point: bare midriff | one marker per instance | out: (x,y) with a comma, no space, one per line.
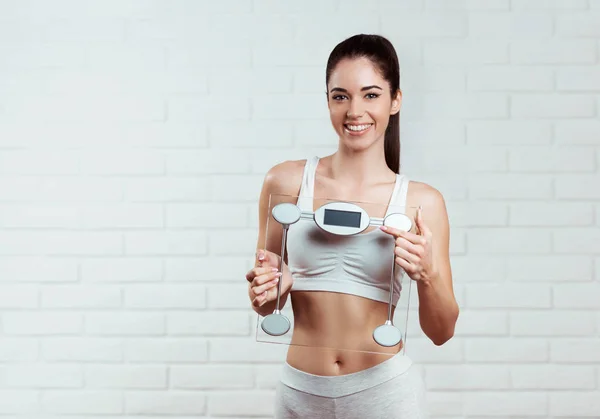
(333,333)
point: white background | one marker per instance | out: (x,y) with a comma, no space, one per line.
(134,138)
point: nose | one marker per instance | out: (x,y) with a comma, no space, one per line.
(355,110)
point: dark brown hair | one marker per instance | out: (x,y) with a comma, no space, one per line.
(383,55)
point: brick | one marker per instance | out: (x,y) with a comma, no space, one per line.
(576,296)
(123,163)
(506,350)
(471,106)
(165,403)
(42,376)
(444,403)
(555,214)
(476,323)
(477,214)
(552,377)
(123,216)
(38,269)
(204,215)
(215,269)
(20,401)
(504,25)
(174,242)
(208,323)
(508,296)
(550,106)
(468,4)
(507,404)
(207,108)
(509,132)
(82,402)
(553,5)
(509,241)
(578,79)
(553,51)
(508,78)
(124,270)
(431,25)
(478,268)
(18,296)
(165,296)
(531,159)
(580,404)
(577,186)
(205,162)
(495,187)
(167,189)
(167,350)
(458,159)
(42,323)
(433,79)
(558,323)
(78,296)
(470,51)
(466,377)
(226,296)
(254,134)
(575,132)
(81,349)
(19,350)
(212,377)
(575,350)
(124,324)
(577,240)
(59,189)
(20,162)
(236,350)
(365,22)
(423,351)
(425,133)
(578,24)
(558,268)
(126,377)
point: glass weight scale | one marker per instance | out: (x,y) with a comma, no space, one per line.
(341,218)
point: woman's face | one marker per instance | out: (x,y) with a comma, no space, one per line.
(360,103)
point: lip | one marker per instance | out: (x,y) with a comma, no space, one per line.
(358,134)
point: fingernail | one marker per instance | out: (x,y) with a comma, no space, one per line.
(384,228)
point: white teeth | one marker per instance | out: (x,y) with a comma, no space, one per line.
(357,127)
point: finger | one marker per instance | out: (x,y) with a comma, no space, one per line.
(406,255)
(415,249)
(253,273)
(263,279)
(404,264)
(413,238)
(263,298)
(258,290)
(423,229)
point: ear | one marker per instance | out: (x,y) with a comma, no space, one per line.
(396,103)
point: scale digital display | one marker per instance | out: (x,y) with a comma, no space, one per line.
(342,218)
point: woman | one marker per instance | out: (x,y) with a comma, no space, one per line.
(318,381)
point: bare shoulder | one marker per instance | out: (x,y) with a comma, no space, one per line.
(425,195)
(285,177)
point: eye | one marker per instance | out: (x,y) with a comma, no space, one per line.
(372,95)
(338,97)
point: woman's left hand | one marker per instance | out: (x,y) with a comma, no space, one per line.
(414,251)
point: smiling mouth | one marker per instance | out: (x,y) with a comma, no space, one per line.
(357,128)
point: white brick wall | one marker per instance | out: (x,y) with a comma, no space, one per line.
(134,137)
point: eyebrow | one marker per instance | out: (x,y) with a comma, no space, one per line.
(340,89)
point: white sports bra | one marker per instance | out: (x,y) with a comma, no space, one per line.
(360,264)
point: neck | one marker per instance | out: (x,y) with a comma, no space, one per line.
(360,167)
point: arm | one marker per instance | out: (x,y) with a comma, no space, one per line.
(277,181)
(438,309)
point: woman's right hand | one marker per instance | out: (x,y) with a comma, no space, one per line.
(264,277)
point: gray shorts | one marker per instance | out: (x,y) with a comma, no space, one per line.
(392,389)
